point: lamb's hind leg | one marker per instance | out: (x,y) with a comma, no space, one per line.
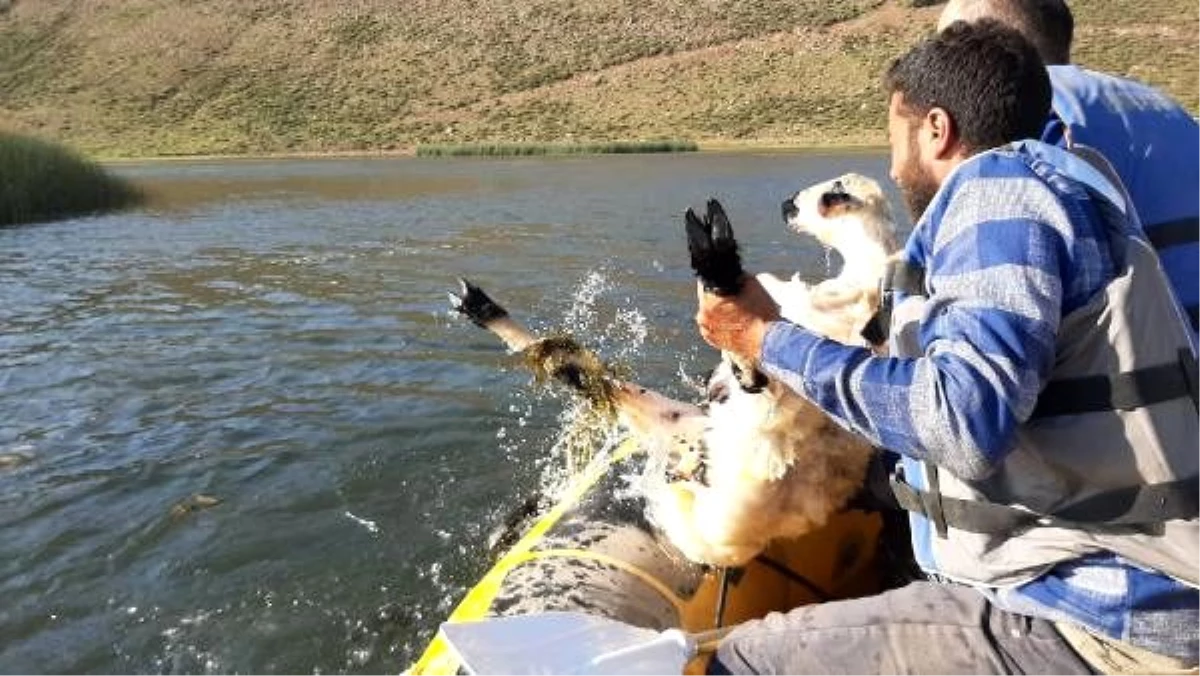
(559,357)
(645,411)
(663,423)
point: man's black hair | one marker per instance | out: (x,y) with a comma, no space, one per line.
(1048,24)
(985,75)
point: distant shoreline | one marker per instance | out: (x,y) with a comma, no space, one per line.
(702,147)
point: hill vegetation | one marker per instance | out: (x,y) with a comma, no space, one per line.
(161,77)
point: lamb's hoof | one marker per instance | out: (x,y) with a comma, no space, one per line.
(714,250)
(475,304)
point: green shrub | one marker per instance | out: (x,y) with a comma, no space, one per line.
(43,181)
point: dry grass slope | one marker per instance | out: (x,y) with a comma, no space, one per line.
(158,77)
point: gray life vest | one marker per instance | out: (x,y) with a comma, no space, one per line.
(1107,462)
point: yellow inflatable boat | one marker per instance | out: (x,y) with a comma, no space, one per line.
(595,553)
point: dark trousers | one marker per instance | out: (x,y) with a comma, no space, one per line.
(922,628)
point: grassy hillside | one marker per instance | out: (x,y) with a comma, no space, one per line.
(156,77)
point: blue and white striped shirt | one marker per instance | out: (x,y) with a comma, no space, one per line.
(1010,245)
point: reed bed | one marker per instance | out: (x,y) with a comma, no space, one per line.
(520,149)
(43,181)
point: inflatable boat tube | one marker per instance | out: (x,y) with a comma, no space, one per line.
(595,552)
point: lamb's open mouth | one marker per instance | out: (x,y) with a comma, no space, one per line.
(789,209)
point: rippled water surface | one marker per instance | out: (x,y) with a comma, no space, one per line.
(273,337)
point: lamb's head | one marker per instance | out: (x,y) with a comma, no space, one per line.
(850,214)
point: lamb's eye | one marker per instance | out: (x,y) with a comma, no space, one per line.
(836,198)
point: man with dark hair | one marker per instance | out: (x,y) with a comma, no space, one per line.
(1152,142)
(986,111)
(1051,505)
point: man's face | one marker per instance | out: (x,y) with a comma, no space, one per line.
(912,175)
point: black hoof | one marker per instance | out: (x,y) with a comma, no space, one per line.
(714,250)
(475,304)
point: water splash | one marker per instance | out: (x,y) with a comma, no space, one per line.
(615,331)
(585,428)
(614,334)
(581,317)
(690,381)
(629,331)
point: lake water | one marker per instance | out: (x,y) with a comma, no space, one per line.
(275,335)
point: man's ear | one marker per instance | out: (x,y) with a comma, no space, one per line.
(941,134)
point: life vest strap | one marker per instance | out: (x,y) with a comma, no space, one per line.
(899,275)
(1120,392)
(1179,232)
(1174,233)
(932,500)
(904,276)
(1132,506)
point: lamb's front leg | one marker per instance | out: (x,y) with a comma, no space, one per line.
(718,265)
(714,251)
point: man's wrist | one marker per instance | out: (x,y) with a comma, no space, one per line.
(786,345)
(758,338)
